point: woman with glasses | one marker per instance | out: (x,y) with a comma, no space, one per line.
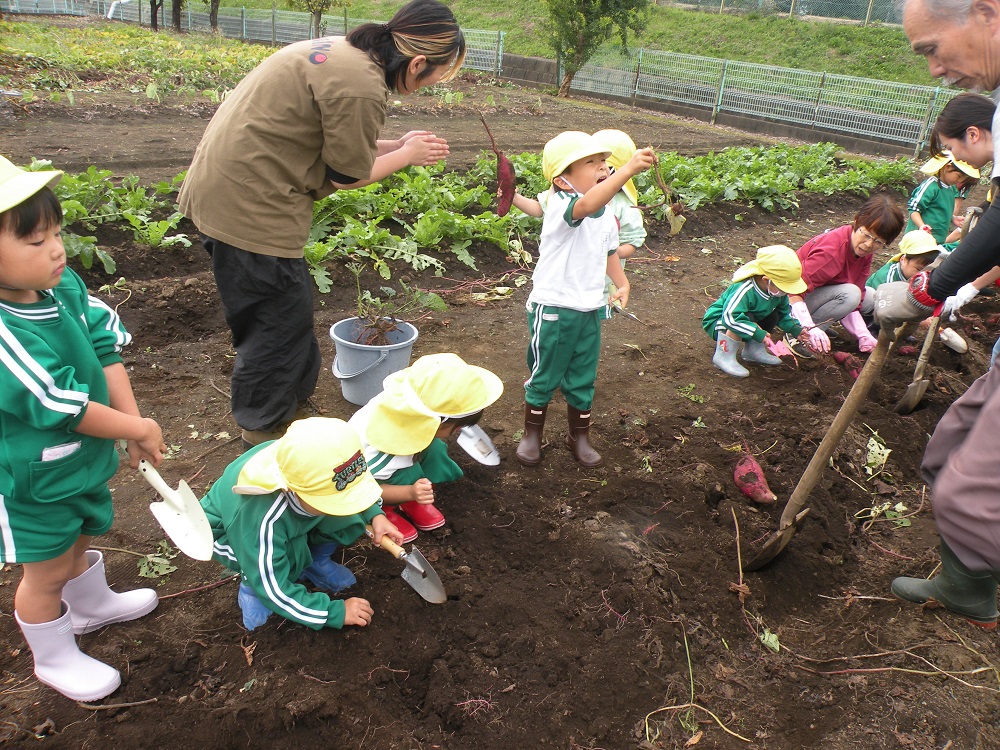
(835,267)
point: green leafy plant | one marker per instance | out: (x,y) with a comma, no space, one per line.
(157,564)
(382,314)
(153,232)
(687,391)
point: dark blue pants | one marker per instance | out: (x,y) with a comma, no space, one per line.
(268,304)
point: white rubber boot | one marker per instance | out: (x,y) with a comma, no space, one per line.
(725,357)
(61,665)
(93,605)
(756,351)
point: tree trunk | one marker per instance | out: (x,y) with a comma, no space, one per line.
(567,80)
(154,14)
(317,21)
(175,14)
(213,15)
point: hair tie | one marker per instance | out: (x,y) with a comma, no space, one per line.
(385,27)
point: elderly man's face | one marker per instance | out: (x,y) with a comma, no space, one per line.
(964,52)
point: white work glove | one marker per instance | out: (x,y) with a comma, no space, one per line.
(818,340)
(856,325)
(955,303)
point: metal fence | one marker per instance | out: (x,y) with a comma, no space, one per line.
(484,48)
(863,12)
(862,107)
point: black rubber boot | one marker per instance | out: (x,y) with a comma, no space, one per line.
(529,450)
(578,438)
(962,591)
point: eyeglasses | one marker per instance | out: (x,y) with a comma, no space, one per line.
(879,244)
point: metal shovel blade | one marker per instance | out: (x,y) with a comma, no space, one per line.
(915,391)
(180,515)
(795,509)
(418,573)
(474,441)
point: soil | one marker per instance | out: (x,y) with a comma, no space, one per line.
(586,608)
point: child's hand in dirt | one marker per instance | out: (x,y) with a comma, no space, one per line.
(150,446)
(382,526)
(358,611)
(422,491)
(621,295)
(425,150)
(641,160)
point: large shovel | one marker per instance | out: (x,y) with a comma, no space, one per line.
(915,391)
(180,514)
(795,509)
(418,572)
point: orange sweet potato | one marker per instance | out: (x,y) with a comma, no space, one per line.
(749,477)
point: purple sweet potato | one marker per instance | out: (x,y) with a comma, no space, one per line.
(506,178)
(750,480)
(849,362)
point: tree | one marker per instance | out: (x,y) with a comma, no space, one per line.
(213,14)
(175,14)
(316,8)
(577,28)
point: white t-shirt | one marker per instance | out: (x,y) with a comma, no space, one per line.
(996,137)
(572,255)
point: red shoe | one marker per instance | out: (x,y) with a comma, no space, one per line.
(424,517)
(405,527)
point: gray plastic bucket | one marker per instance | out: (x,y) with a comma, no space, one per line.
(361,368)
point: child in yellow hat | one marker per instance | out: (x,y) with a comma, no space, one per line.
(280,501)
(66,399)
(751,306)
(624,205)
(576,250)
(405,429)
(935,206)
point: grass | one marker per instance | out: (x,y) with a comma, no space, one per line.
(880,52)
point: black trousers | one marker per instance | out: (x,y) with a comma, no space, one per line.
(268,304)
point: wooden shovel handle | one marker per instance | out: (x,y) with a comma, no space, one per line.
(387,544)
(925,350)
(859,391)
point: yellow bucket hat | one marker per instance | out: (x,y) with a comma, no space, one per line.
(622,149)
(408,412)
(17,185)
(916,242)
(935,165)
(568,147)
(780,264)
(320,460)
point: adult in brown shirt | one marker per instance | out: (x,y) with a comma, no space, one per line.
(302,124)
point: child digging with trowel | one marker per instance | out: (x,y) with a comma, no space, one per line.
(66,400)
(281,509)
(405,429)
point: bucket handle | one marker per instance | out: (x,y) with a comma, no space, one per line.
(344,376)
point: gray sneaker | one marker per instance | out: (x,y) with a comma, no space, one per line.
(798,348)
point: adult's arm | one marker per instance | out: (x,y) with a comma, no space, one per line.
(977,254)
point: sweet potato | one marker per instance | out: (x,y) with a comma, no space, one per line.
(849,362)
(506,178)
(750,480)
(907,350)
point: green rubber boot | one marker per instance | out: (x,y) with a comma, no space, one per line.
(960,590)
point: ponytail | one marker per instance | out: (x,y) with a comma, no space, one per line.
(421,27)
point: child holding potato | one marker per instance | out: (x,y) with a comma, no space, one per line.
(577,249)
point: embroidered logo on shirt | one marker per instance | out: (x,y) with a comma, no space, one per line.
(319,49)
(346,473)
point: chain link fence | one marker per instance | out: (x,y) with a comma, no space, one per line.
(869,109)
(863,12)
(278,27)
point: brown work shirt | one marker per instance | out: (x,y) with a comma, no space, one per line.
(264,156)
